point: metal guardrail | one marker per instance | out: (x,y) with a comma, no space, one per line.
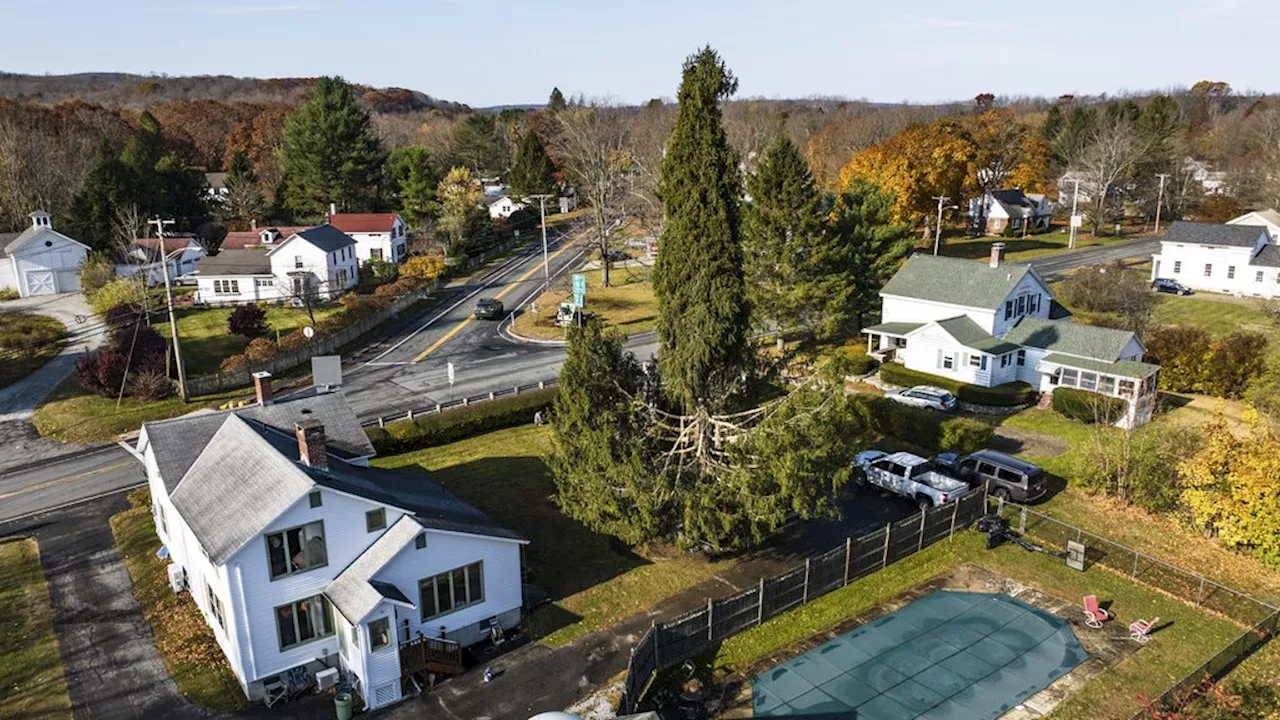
(382,420)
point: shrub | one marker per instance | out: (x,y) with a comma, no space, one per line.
(95,274)
(102,372)
(1139,466)
(965,435)
(1111,289)
(424,267)
(1006,395)
(248,321)
(453,425)
(1088,407)
(355,307)
(1234,361)
(1181,352)
(7,294)
(1191,361)
(260,350)
(378,272)
(919,427)
(121,291)
(856,358)
(150,386)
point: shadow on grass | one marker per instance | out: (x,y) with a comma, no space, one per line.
(975,248)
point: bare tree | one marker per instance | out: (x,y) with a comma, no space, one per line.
(647,142)
(593,147)
(40,169)
(1107,160)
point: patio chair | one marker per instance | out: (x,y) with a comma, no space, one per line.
(1140,630)
(273,692)
(1094,614)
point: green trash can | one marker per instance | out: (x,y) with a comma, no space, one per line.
(342,706)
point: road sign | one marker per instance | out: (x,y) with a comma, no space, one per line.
(449,369)
(309,332)
(1077,221)
(579,290)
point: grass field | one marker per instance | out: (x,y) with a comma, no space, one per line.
(593,580)
(47,337)
(206,341)
(31,677)
(182,637)
(627,304)
(73,415)
(1015,249)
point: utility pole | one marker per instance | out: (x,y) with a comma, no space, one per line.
(937,232)
(168,296)
(1075,199)
(1160,199)
(542,204)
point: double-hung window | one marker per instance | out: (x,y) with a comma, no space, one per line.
(948,361)
(451,590)
(297,262)
(1231,272)
(226,287)
(1008,309)
(1208,269)
(1022,358)
(1257,276)
(303,621)
(296,549)
(1177,267)
(1088,380)
(215,605)
(380,634)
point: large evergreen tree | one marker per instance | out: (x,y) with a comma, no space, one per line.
(109,185)
(556,102)
(476,144)
(532,172)
(703,316)
(863,220)
(414,176)
(330,153)
(797,273)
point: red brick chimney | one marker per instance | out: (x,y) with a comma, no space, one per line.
(997,254)
(262,387)
(311,439)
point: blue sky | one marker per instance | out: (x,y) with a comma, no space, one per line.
(514,51)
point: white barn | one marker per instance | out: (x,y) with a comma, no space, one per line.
(43,261)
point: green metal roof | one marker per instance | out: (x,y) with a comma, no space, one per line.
(893,328)
(1121,368)
(971,335)
(955,281)
(1090,341)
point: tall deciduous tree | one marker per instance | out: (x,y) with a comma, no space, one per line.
(1108,159)
(873,241)
(415,176)
(244,201)
(916,165)
(330,153)
(592,143)
(797,273)
(703,316)
(532,172)
(459,197)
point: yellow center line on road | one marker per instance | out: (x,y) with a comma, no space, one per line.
(61,480)
(458,328)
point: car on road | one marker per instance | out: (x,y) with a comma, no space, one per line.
(926,396)
(1173,287)
(489,309)
(1004,475)
(910,476)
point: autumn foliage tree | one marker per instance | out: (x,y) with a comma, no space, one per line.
(916,165)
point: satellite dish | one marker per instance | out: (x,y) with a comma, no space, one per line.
(309,331)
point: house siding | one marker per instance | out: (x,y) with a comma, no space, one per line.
(1190,261)
(63,259)
(249,291)
(900,309)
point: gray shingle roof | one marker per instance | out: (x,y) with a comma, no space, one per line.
(1060,336)
(245,261)
(893,328)
(955,281)
(971,335)
(1213,234)
(1120,368)
(1268,256)
(354,591)
(1016,203)
(326,237)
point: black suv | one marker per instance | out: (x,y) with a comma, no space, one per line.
(489,309)
(1005,475)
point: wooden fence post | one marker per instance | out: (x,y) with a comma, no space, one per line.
(654,629)
(381,422)
(516,390)
(805,597)
(760,603)
(848,556)
(1135,563)
(542,385)
(888,530)
(410,416)
(1200,594)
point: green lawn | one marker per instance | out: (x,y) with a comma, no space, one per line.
(206,341)
(593,580)
(627,304)
(1219,315)
(182,637)
(955,244)
(31,676)
(29,341)
(72,414)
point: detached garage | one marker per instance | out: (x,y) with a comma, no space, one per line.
(43,261)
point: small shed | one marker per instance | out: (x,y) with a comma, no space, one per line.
(43,261)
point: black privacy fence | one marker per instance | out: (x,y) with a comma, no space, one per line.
(670,643)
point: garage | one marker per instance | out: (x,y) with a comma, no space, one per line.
(42,260)
(40,282)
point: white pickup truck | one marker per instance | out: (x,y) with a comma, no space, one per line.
(910,476)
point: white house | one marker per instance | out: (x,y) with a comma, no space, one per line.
(304,560)
(41,260)
(144,257)
(1240,259)
(378,236)
(216,187)
(1269,219)
(990,324)
(995,211)
(320,261)
(503,207)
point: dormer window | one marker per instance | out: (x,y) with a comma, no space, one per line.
(269,235)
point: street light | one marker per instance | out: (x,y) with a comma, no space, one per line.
(542,204)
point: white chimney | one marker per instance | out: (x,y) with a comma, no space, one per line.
(997,254)
(333,209)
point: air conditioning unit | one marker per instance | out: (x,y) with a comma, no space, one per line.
(177,578)
(327,679)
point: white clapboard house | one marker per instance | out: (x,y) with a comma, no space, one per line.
(319,262)
(989,324)
(308,564)
(1240,258)
(378,236)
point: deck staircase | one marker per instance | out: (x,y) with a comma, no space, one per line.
(424,654)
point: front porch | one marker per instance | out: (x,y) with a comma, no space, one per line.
(1129,380)
(886,340)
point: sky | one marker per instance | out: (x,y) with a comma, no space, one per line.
(514,51)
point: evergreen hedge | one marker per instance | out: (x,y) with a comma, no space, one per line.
(1088,407)
(926,429)
(458,424)
(1006,395)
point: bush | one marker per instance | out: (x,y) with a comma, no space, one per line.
(1139,466)
(121,291)
(1006,395)
(378,272)
(150,386)
(7,294)
(1236,360)
(102,373)
(1191,361)
(1112,289)
(96,273)
(1088,407)
(856,358)
(423,267)
(965,435)
(922,428)
(248,321)
(453,425)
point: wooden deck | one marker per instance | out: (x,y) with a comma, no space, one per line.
(424,654)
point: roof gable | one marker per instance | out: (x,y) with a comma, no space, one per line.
(969,334)
(1195,233)
(326,238)
(1091,341)
(956,281)
(354,591)
(25,237)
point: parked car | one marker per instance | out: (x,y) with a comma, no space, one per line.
(1005,476)
(1165,285)
(910,476)
(926,396)
(489,309)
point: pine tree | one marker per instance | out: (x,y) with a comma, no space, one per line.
(330,153)
(703,316)
(475,144)
(533,172)
(109,185)
(415,177)
(797,273)
(556,102)
(244,201)
(863,220)
(598,463)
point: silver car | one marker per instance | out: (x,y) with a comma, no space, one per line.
(926,396)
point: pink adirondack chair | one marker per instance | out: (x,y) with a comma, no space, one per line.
(1140,630)
(1094,615)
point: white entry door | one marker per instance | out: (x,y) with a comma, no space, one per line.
(40,282)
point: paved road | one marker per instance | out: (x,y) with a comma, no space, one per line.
(75,478)
(1051,266)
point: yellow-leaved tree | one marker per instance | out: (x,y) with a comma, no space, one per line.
(1230,487)
(916,165)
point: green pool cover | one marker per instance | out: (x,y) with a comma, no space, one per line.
(947,656)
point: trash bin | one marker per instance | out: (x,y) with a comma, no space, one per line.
(342,705)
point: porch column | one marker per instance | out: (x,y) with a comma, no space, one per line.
(869,337)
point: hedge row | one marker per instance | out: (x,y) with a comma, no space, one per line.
(1088,407)
(927,429)
(1007,395)
(461,423)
